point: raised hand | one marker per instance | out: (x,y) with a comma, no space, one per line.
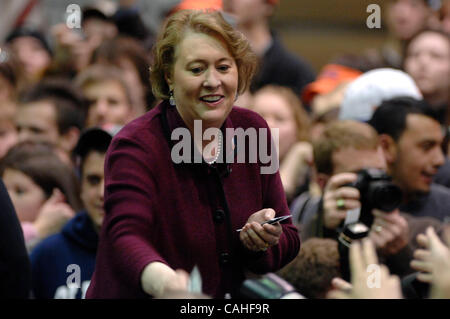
(363,256)
(53,215)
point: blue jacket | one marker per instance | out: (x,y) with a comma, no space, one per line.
(62,264)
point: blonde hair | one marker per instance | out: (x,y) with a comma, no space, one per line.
(339,135)
(207,22)
(301,117)
(99,73)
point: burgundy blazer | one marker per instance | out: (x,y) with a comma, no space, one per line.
(182,214)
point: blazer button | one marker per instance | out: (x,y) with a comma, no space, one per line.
(224,258)
(219,216)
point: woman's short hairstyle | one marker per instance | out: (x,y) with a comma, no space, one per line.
(39,162)
(207,22)
(301,116)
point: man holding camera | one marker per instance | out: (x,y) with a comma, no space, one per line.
(345,148)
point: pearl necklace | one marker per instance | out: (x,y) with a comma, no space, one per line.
(219,146)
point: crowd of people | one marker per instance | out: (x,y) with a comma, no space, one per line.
(94,205)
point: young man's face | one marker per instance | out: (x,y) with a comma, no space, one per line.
(92,184)
(418,154)
(109,104)
(37,122)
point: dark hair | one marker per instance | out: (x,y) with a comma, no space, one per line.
(90,12)
(390,117)
(92,140)
(130,23)
(314,267)
(442,33)
(28,32)
(43,166)
(69,104)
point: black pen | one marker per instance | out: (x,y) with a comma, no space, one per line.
(272,221)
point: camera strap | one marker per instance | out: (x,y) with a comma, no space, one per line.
(352,216)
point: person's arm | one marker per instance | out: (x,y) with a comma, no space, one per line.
(283,239)
(294,167)
(158,279)
(15,268)
(130,197)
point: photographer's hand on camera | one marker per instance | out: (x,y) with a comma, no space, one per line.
(338,199)
(389,232)
(257,237)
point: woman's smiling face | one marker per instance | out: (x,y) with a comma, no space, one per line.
(204,79)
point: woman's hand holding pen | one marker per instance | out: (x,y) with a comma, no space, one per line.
(257,237)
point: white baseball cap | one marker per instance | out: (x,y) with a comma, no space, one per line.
(364,94)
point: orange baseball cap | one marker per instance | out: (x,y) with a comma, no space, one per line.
(199,5)
(329,78)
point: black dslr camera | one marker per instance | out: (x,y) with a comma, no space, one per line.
(376,191)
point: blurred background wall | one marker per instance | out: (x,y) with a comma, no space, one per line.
(319,30)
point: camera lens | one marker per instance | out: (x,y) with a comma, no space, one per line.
(385,196)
